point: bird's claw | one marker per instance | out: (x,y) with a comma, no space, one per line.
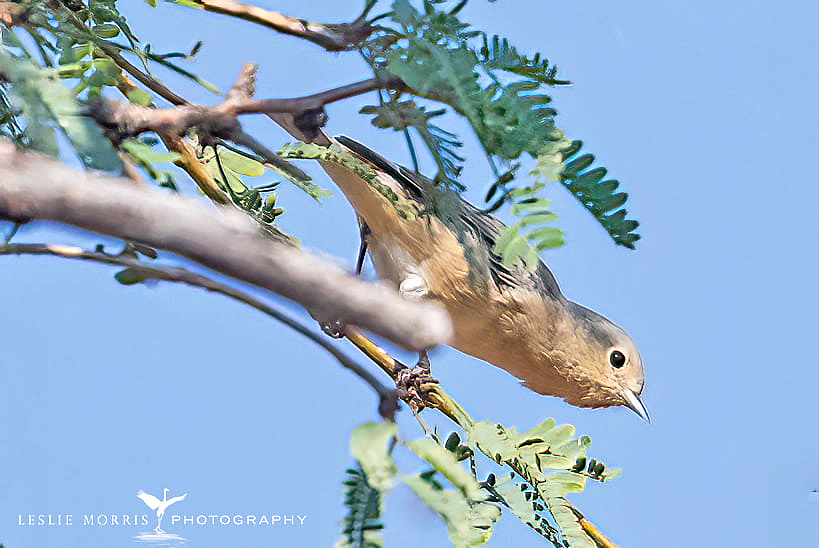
(334,328)
(416,386)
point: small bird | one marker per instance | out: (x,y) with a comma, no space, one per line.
(430,243)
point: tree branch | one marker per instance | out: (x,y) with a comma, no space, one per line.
(187,156)
(33,186)
(332,37)
(141,271)
(121,120)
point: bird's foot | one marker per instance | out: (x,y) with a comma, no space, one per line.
(159,531)
(333,328)
(416,385)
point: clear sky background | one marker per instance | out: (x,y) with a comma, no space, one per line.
(704,111)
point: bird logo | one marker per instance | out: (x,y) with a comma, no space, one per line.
(159,505)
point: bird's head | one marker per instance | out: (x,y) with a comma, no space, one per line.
(603,365)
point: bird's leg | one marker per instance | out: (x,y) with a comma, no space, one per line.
(335,328)
(423,360)
(415,384)
(364,232)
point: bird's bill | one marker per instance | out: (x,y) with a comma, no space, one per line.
(633,402)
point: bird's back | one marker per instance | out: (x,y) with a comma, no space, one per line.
(477,231)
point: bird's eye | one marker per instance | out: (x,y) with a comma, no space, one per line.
(617,359)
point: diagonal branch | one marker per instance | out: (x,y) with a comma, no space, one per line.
(332,37)
(121,120)
(33,186)
(141,271)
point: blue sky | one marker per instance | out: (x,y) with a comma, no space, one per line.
(706,114)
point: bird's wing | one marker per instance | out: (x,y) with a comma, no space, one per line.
(462,217)
(177,499)
(152,502)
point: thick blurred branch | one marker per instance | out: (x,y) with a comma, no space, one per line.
(33,186)
(139,270)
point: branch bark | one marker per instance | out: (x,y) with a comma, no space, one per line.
(33,186)
(332,37)
(301,116)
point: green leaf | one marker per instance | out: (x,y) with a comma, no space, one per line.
(369,445)
(552,492)
(493,439)
(498,54)
(524,240)
(550,161)
(444,462)
(132,276)
(404,14)
(538,218)
(441,143)
(105,11)
(39,131)
(614,473)
(145,153)
(139,97)
(106,30)
(339,155)
(240,163)
(312,189)
(360,526)
(44,99)
(468,523)
(228,179)
(598,197)
(514,497)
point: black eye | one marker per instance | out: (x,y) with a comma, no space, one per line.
(617,359)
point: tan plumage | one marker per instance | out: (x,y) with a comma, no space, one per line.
(432,244)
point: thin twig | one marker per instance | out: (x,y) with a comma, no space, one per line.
(332,37)
(129,119)
(121,120)
(317,100)
(150,82)
(388,401)
(188,161)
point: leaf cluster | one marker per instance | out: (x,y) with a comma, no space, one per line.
(551,461)
(502,94)
(80,59)
(547,462)
(360,527)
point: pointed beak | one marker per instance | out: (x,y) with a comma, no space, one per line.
(633,402)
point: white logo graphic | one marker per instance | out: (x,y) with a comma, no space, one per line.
(160,506)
